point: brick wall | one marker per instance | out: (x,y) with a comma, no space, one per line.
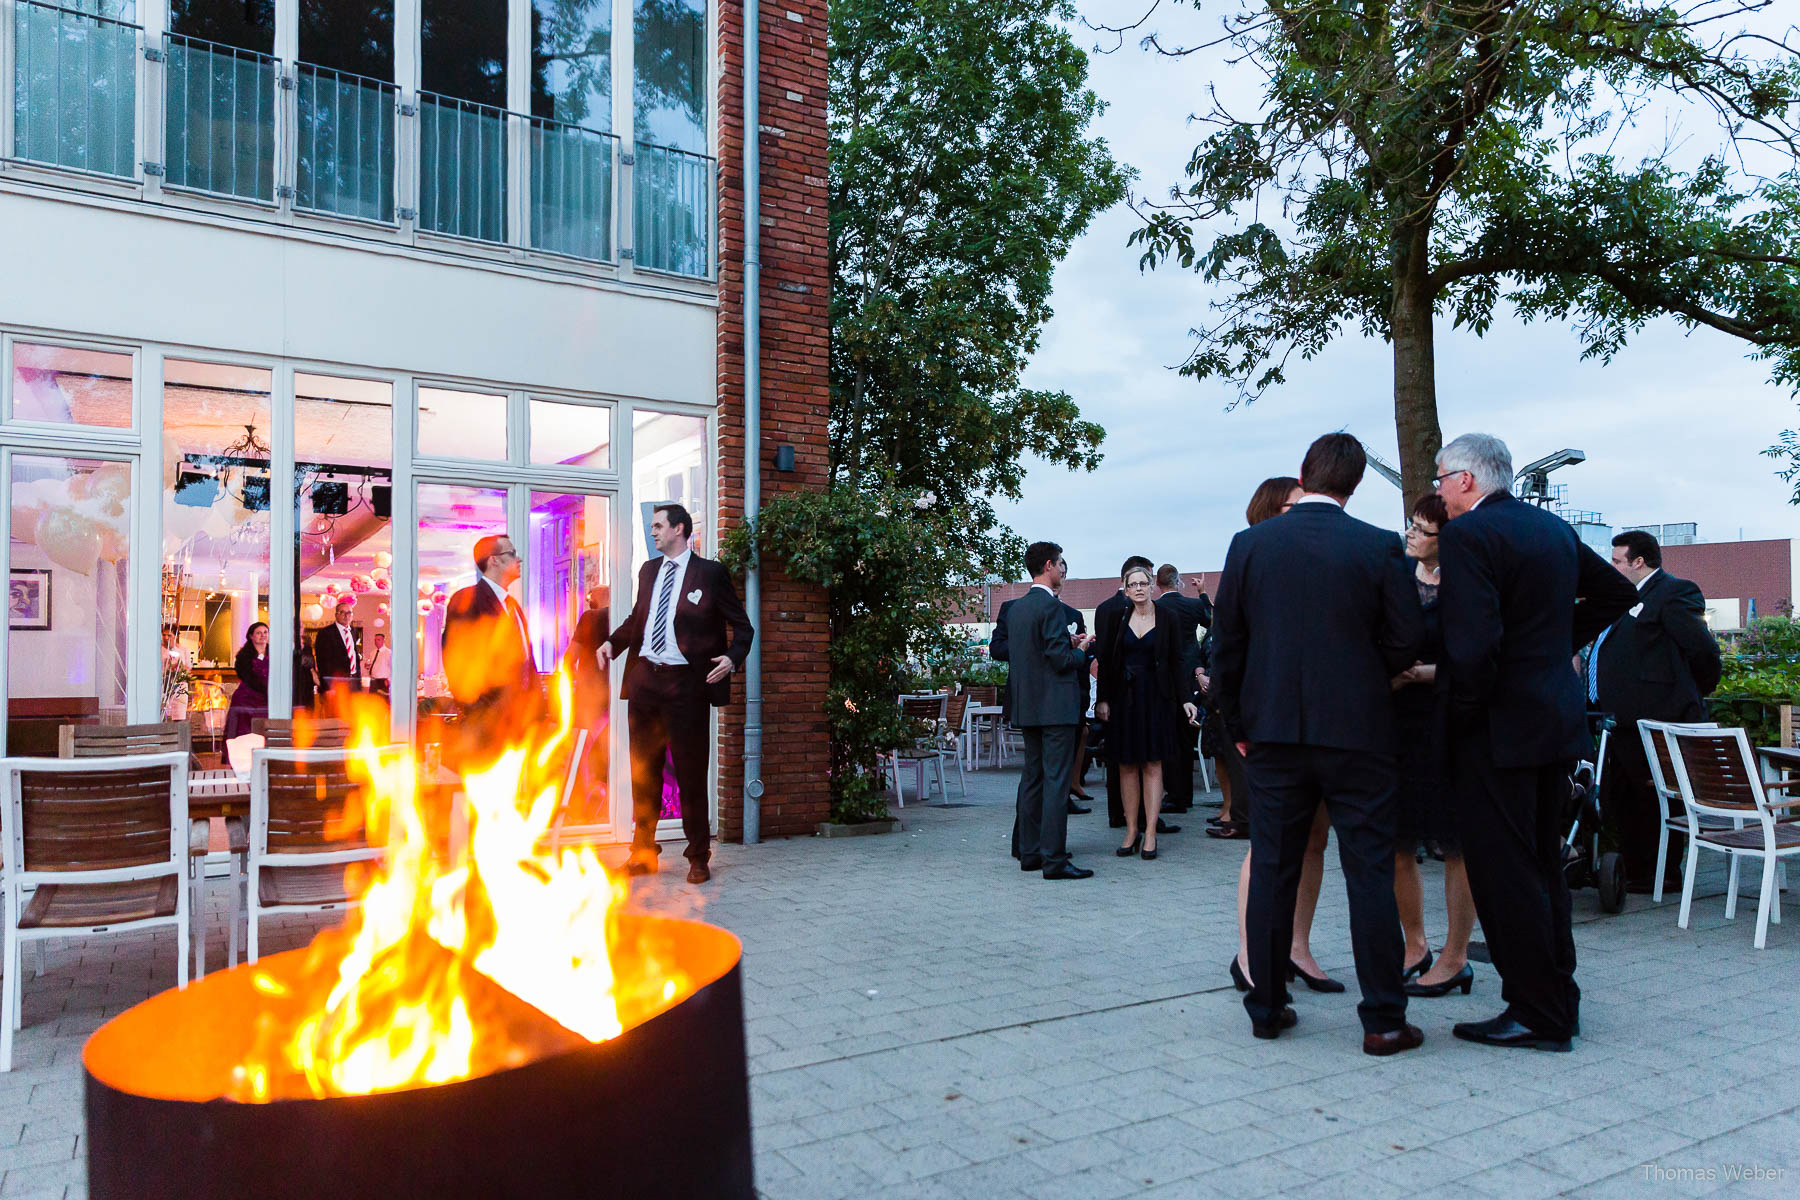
(796,397)
(1744,571)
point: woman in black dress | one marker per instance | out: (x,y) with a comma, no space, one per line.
(1423,801)
(251,699)
(1141,695)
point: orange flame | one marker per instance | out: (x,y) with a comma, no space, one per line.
(413,999)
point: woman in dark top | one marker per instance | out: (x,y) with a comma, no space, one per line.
(251,699)
(1423,802)
(1141,694)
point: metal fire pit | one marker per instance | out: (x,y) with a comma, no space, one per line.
(661,1110)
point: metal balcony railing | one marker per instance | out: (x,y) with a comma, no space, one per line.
(345,134)
(220,122)
(462,168)
(572,189)
(672,203)
(74,89)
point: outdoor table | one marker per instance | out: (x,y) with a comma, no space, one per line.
(227,794)
(979,717)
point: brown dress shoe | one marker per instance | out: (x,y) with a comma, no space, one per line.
(1394,1041)
(640,864)
(699,873)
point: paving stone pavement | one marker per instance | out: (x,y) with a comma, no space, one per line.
(925,1021)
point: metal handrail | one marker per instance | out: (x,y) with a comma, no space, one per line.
(660,175)
(571,211)
(181,169)
(71,138)
(439,174)
(98,18)
(309,197)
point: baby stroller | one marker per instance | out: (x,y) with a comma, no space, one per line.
(1583,863)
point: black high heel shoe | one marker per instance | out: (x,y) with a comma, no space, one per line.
(1237,976)
(1464,979)
(1147,854)
(1315,983)
(1130,848)
(1418,968)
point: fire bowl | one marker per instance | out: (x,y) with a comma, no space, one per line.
(661,1110)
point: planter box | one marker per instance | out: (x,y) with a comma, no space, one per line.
(860,829)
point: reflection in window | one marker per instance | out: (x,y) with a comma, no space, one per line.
(456,424)
(571,62)
(244,24)
(220,81)
(69,562)
(345,109)
(571,435)
(668,463)
(669,57)
(569,604)
(71,387)
(215,551)
(75,84)
(462,128)
(451,520)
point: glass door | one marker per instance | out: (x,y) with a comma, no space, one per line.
(569,607)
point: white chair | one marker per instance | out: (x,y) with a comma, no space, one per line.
(923,754)
(104,843)
(1716,774)
(563,833)
(956,710)
(296,864)
(1662,773)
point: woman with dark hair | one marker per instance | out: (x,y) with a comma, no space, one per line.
(1140,689)
(1423,785)
(251,699)
(1272,498)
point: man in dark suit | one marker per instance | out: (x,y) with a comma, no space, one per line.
(1657,662)
(1107,616)
(338,655)
(487,654)
(1519,595)
(1193,613)
(1048,677)
(1316,614)
(685,636)
(998,649)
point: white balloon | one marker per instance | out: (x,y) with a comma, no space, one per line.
(383,559)
(69,540)
(312,614)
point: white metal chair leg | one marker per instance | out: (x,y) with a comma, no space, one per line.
(1687,883)
(11,992)
(37,958)
(235,910)
(1731,891)
(197,914)
(1762,903)
(1662,859)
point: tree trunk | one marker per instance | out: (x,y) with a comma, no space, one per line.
(1415,364)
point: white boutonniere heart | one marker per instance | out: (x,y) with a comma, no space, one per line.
(1071,628)
(694,596)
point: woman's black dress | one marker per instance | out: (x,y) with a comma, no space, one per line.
(1419,718)
(1145,722)
(251,699)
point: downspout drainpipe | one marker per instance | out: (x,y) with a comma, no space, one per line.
(753,699)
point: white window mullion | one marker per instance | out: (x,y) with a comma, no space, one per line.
(8,29)
(144,677)
(625,125)
(518,103)
(283,540)
(403,589)
(407,17)
(153,15)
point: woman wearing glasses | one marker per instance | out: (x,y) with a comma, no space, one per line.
(1141,689)
(1423,811)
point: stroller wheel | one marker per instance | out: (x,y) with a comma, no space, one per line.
(1611,882)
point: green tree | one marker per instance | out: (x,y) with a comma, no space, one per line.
(1436,157)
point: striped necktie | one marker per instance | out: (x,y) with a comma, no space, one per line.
(665,595)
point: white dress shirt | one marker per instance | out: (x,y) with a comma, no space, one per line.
(381,663)
(671,655)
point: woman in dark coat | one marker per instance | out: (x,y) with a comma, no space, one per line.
(251,699)
(1142,695)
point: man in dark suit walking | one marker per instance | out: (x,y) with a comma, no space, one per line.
(487,654)
(1657,662)
(686,634)
(999,649)
(1193,613)
(1519,595)
(1048,678)
(1316,614)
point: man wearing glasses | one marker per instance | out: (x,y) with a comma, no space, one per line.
(487,654)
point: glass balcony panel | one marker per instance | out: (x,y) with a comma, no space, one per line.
(221,119)
(462,168)
(74,89)
(673,203)
(345,144)
(571,190)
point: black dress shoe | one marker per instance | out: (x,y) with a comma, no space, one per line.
(1504,1030)
(699,873)
(1394,1041)
(1031,862)
(1237,976)
(1316,983)
(1287,1018)
(1418,968)
(1067,871)
(1163,826)
(1464,979)
(1078,810)
(641,864)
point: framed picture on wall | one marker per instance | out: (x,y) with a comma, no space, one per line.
(28,599)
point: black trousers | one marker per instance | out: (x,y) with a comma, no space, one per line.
(1178,771)
(1628,807)
(1286,785)
(669,719)
(1043,799)
(1115,804)
(1511,821)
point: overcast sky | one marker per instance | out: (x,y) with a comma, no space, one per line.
(1673,428)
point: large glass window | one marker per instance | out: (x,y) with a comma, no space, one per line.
(672,181)
(215,552)
(68,565)
(668,465)
(345,105)
(75,84)
(462,119)
(455,424)
(221,97)
(571,110)
(452,518)
(571,435)
(568,597)
(64,386)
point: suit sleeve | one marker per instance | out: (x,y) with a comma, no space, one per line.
(1403,618)
(1061,654)
(999,644)
(731,611)
(1602,597)
(1230,640)
(1684,617)
(1471,614)
(631,628)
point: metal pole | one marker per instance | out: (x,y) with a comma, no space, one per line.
(753,784)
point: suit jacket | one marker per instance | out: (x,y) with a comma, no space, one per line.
(1107,615)
(1663,662)
(590,689)
(487,657)
(709,621)
(999,647)
(334,662)
(1519,595)
(1316,614)
(1193,612)
(1047,675)
(1171,662)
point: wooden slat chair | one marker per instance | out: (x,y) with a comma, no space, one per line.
(924,751)
(104,841)
(1716,774)
(107,741)
(1668,796)
(279,734)
(298,861)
